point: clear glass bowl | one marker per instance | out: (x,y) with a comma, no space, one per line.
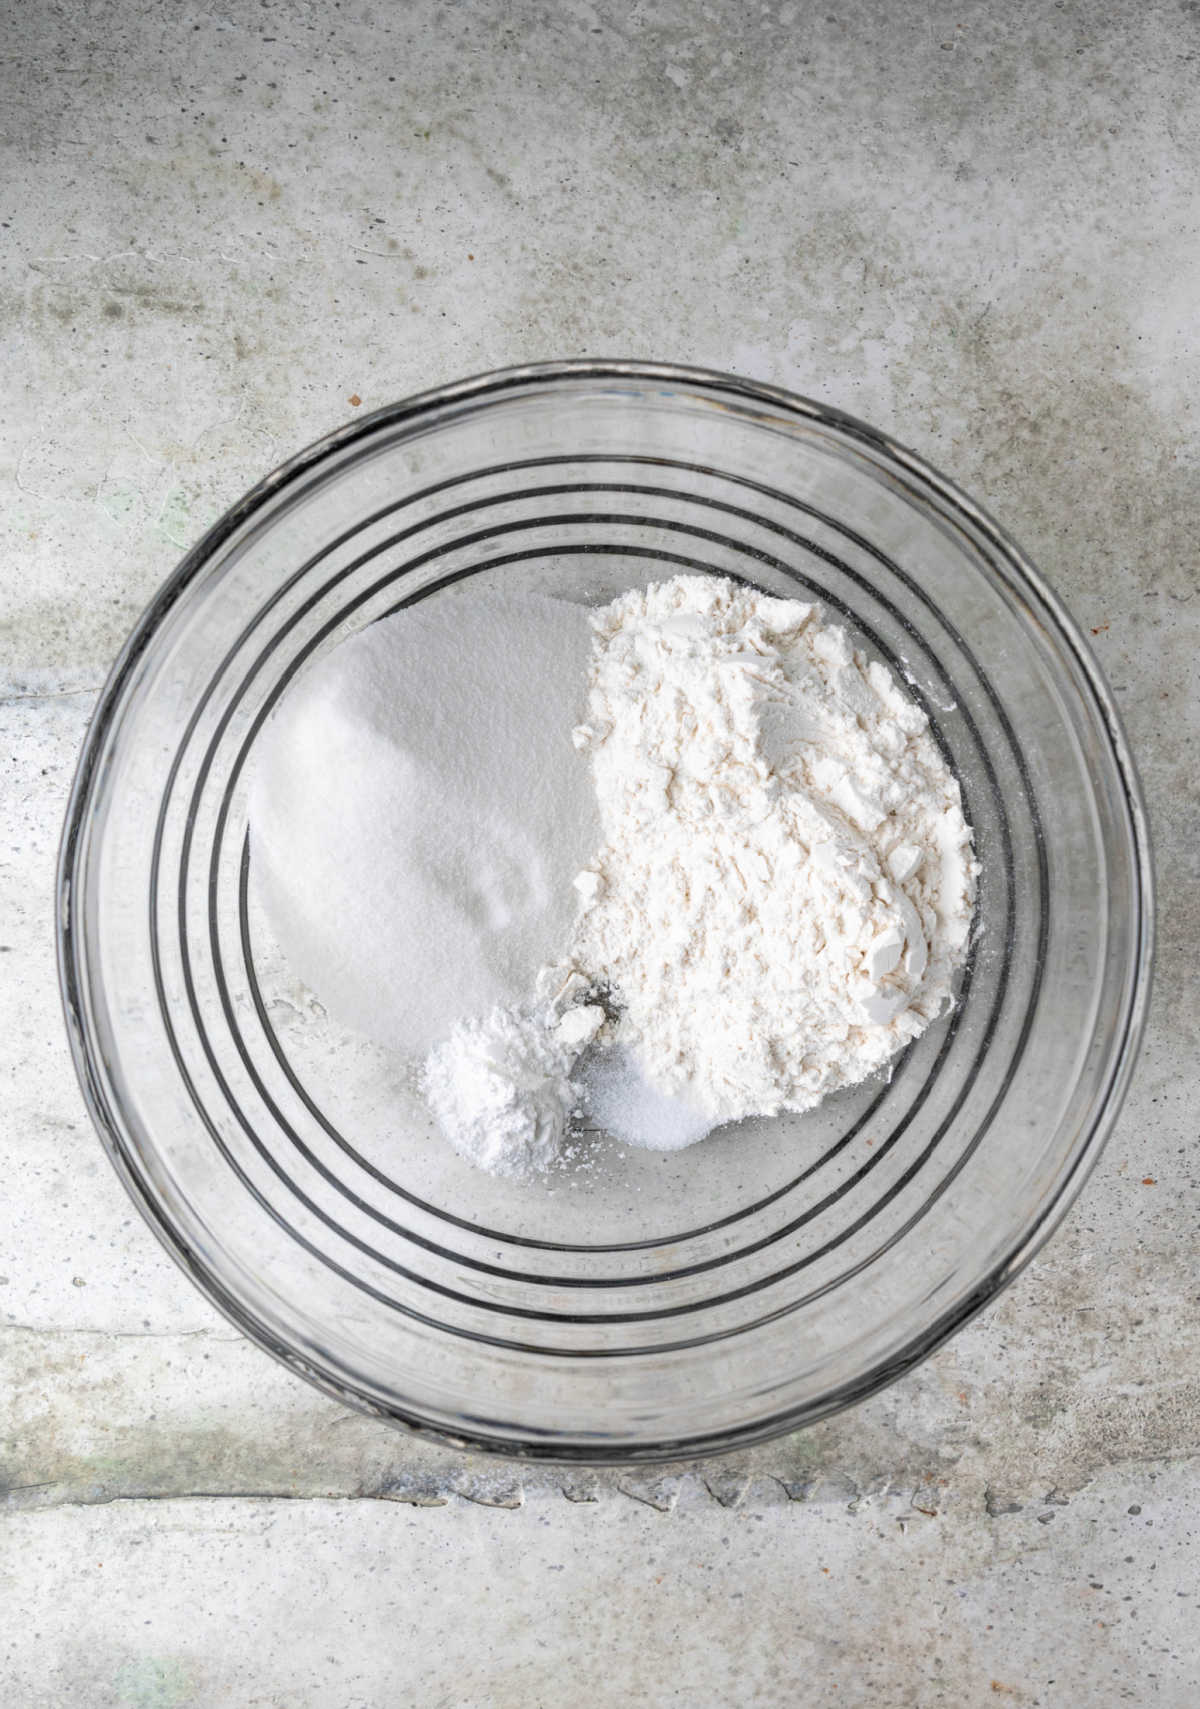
(651,1305)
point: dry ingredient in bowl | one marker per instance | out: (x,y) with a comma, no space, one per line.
(417,812)
(786,880)
(718,868)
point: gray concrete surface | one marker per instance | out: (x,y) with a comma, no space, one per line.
(225,228)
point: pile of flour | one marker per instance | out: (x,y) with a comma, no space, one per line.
(786,880)
(657,867)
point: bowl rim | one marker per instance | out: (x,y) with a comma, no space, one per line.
(494,386)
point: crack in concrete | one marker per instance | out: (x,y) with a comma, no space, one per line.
(429,1491)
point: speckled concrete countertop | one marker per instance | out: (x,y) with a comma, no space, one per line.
(224,230)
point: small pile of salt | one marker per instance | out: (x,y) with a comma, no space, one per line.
(619,1098)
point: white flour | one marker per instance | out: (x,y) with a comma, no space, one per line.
(786,880)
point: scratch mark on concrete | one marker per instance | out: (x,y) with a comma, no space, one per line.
(11,699)
(119,1334)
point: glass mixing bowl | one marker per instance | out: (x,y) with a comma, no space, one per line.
(643,1305)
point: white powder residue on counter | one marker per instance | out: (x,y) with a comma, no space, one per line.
(786,881)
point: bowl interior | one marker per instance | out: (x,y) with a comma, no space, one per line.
(642,1303)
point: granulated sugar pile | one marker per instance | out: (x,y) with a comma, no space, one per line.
(698,862)
(418,812)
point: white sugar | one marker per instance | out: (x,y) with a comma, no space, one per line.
(418,812)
